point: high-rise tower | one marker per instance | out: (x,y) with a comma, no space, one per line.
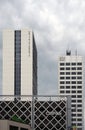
(19,63)
(70,74)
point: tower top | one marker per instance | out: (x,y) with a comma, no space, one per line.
(68,52)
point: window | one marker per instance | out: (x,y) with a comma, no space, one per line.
(73,91)
(73,105)
(62,68)
(79,77)
(79,91)
(79,105)
(67,68)
(62,91)
(67,73)
(79,68)
(73,119)
(23,129)
(73,110)
(73,68)
(73,100)
(79,124)
(67,87)
(79,100)
(73,86)
(61,73)
(79,82)
(67,77)
(79,114)
(67,82)
(68,63)
(73,114)
(79,110)
(73,77)
(79,119)
(13,127)
(79,96)
(61,77)
(73,82)
(73,73)
(61,64)
(79,87)
(67,91)
(73,96)
(73,63)
(79,73)
(79,63)
(61,82)
(61,87)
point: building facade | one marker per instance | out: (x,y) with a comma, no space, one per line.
(70,77)
(19,63)
(42,113)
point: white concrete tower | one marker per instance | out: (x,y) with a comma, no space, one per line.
(70,82)
(19,63)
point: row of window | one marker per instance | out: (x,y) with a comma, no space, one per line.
(76,101)
(73,68)
(73,91)
(68,87)
(79,115)
(78,96)
(78,105)
(79,77)
(71,73)
(74,119)
(79,63)
(74,110)
(71,82)
(78,124)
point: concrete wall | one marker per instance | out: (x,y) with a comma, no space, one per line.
(5,125)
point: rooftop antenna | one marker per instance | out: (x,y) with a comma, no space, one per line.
(68,51)
(76,52)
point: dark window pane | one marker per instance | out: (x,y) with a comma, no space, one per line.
(79,86)
(67,63)
(61,73)
(79,77)
(73,91)
(61,68)
(73,77)
(67,87)
(79,73)
(67,82)
(61,87)
(73,86)
(79,68)
(73,82)
(73,68)
(61,82)
(67,68)
(79,63)
(61,64)
(61,91)
(67,77)
(79,82)
(73,63)
(61,77)
(67,91)
(73,73)
(67,73)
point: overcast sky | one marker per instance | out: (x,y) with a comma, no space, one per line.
(57,25)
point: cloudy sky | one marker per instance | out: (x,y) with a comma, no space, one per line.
(57,25)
